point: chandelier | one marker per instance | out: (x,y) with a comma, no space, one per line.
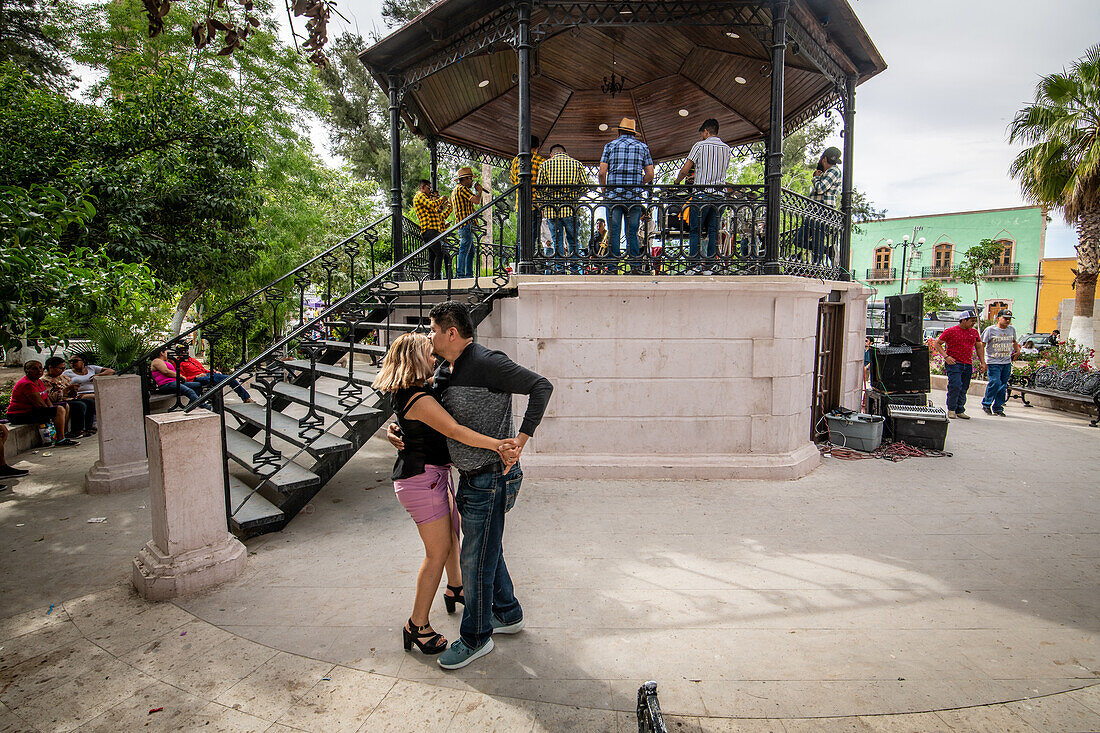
(612,85)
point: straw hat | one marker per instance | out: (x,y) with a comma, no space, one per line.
(629,125)
(465,171)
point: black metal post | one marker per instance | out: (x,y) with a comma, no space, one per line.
(433,148)
(774,164)
(523,214)
(396,220)
(846,190)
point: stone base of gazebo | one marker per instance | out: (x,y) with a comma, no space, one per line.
(678,377)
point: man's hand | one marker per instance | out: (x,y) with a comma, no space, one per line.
(393,436)
(981,366)
(949,360)
(509,451)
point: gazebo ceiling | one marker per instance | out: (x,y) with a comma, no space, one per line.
(676,76)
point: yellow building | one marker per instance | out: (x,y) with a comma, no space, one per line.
(1055,285)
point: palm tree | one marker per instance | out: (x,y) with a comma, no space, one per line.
(1061,168)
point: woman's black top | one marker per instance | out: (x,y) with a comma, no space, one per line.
(423,445)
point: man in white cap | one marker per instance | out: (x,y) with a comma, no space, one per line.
(626,161)
(957,345)
(1001,348)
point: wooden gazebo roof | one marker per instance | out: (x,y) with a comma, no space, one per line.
(682,61)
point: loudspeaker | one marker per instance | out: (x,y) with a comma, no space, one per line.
(905,319)
(878,403)
(900,369)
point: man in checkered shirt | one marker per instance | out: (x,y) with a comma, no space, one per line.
(824,189)
(626,160)
(431,212)
(560,206)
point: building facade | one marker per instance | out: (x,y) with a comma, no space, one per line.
(881,258)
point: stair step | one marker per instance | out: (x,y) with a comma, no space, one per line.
(327,403)
(367,325)
(255,512)
(359,348)
(361,376)
(287,428)
(290,477)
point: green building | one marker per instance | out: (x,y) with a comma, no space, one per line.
(928,247)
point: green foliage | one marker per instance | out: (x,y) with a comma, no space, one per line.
(116,345)
(5,396)
(975,263)
(1068,355)
(936,298)
(359,121)
(36,36)
(400,12)
(50,290)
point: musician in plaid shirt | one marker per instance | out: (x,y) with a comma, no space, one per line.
(825,189)
(536,163)
(431,212)
(561,170)
(626,160)
(463,200)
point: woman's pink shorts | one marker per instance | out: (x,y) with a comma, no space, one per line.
(428,496)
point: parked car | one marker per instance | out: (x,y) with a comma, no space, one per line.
(1042,341)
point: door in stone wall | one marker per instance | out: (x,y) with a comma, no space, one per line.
(828,363)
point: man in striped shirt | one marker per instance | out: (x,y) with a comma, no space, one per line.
(709,159)
(561,170)
(465,202)
(536,163)
(431,212)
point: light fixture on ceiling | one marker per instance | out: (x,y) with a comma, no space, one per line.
(483,83)
(731,34)
(740,80)
(612,85)
(683,113)
(626,11)
(603,127)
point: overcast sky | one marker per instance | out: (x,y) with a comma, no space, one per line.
(931,130)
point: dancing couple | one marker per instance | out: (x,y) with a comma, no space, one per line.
(459,414)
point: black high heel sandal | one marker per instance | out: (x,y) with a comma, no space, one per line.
(450,601)
(435,642)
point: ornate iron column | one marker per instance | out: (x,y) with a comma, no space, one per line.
(433,149)
(523,214)
(396,221)
(774,164)
(846,191)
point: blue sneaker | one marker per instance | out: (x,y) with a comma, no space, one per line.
(499,627)
(459,655)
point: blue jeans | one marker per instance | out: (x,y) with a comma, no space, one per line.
(189,390)
(482,502)
(996,392)
(465,265)
(703,216)
(958,381)
(614,227)
(566,246)
(211,379)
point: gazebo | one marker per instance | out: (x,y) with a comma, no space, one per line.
(477,79)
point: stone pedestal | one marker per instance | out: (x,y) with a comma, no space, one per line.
(122,465)
(674,377)
(191,547)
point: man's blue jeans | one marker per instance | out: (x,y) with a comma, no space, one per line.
(706,217)
(482,502)
(614,227)
(958,381)
(214,378)
(565,246)
(996,392)
(465,266)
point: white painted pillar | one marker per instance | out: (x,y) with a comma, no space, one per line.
(191,548)
(122,465)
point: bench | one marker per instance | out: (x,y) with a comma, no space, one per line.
(1073,385)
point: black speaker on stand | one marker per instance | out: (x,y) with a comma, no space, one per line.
(905,319)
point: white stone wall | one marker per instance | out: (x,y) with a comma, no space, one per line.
(677,377)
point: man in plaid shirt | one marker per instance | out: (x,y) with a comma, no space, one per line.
(626,160)
(536,162)
(825,189)
(431,212)
(561,170)
(464,201)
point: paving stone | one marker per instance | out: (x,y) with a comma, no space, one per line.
(277,684)
(1056,712)
(340,704)
(414,706)
(133,713)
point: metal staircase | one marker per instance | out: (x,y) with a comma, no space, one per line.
(315,407)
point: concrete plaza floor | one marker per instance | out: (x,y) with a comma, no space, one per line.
(932,594)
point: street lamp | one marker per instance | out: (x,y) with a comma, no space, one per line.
(906,240)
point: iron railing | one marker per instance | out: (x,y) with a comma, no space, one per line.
(882,274)
(1011,269)
(942,273)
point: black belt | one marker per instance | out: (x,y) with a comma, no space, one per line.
(490,468)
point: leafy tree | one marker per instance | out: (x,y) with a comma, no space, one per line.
(936,298)
(36,36)
(400,12)
(1061,169)
(359,121)
(975,263)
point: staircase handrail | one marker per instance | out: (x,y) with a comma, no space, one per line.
(323,315)
(260,291)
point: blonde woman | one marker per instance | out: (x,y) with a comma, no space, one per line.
(422,478)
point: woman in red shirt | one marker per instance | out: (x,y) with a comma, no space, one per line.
(30,404)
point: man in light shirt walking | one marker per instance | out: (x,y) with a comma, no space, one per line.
(709,159)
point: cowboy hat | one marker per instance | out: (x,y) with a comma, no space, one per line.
(465,171)
(629,125)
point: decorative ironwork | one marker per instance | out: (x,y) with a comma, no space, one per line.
(497,27)
(648,710)
(641,12)
(808,46)
(887,274)
(267,461)
(176,356)
(311,424)
(941,273)
(464,154)
(611,86)
(350,392)
(274,298)
(1011,269)
(1045,376)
